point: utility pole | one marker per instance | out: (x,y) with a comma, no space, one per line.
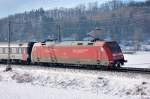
(59,33)
(9,68)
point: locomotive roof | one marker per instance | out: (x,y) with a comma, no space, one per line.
(73,43)
(13,44)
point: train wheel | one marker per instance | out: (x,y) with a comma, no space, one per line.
(116,66)
(122,63)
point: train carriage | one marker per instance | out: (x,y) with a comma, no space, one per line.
(19,52)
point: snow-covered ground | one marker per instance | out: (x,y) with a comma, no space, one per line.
(138,59)
(24,83)
(40,83)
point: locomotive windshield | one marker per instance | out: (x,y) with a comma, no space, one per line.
(114,47)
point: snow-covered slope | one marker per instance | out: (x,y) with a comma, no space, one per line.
(27,91)
(32,83)
(138,59)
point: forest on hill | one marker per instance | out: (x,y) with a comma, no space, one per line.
(117,20)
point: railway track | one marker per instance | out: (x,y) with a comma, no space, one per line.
(135,70)
(122,69)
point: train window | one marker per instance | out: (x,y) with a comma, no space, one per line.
(20,50)
(24,49)
(5,50)
(14,50)
(17,50)
(1,50)
(80,43)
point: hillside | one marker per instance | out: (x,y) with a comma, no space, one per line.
(118,20)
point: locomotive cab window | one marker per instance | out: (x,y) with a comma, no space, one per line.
(114,47)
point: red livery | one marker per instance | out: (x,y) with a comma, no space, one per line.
(91,53)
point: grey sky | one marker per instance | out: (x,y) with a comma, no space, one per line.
(8,7)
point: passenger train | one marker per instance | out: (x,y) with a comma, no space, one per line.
(96,53)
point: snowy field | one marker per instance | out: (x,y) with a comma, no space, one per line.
(39,83)
(138,59)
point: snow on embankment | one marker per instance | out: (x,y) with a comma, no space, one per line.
(76,85)
(138,59)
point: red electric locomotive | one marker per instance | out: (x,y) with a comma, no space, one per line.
(90,53)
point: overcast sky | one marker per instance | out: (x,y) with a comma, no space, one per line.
(8,7)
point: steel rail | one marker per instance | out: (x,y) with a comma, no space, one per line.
(122,69)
